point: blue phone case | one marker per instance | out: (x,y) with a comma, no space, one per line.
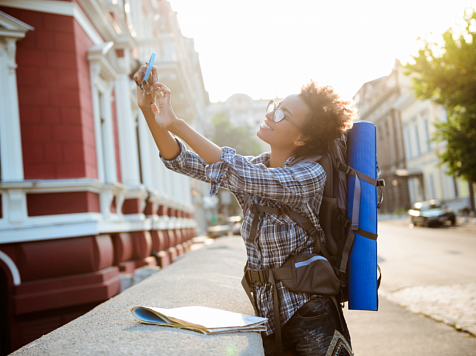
(149,69)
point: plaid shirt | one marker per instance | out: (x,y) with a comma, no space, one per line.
(299,186)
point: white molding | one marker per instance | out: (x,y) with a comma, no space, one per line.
(36,221)
(98,53)
(13,268)
(15,206)
(58,8)
(70,230)
(61,186)
(13,27)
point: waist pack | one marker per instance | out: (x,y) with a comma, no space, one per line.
(309,273)
(325,271)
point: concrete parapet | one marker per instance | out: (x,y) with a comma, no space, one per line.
(207,277)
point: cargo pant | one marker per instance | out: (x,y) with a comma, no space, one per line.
(315,330)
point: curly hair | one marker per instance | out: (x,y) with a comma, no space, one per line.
(328,118)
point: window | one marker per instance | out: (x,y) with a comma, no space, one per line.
(426,127)
(407,142)
(417,139)
(431,187)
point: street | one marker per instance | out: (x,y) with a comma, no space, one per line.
(430,271)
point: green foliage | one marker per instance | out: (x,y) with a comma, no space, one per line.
(446,74)
(460,154)
(242,138)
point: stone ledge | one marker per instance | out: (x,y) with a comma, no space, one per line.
(209,277)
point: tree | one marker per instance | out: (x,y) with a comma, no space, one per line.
(446,73)
(242,138)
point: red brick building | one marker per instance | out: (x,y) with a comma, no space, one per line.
(84,198)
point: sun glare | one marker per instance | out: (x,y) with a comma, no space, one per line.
(270,48)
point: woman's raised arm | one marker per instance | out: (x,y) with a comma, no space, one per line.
(162,121)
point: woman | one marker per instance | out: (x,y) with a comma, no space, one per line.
(297,126)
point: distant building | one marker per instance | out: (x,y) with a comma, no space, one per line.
(427,179)
(407,157)
(85,199)
(375,100)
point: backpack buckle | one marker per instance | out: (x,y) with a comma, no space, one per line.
(285,209)
(345,168)
(257,276)
(346,223)
(312,231)
(350,171)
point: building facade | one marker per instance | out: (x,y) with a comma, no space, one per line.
(375,100)
(427,178)
(406,155)
(85,199)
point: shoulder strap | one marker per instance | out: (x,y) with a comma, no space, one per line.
(352,172)
(266,276)
(307,226)
(246,287)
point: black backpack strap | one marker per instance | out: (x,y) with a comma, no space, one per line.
(257,208)
(277,321)
(307,226)
(354,227)
(246,283)
(351,171)
(266,276)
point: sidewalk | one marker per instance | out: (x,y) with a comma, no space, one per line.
(454,304)
(396,331)
(211,277)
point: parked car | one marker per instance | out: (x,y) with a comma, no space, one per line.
(431,213)
(217,231)
(236,224)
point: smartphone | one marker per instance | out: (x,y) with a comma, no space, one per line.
(148,70)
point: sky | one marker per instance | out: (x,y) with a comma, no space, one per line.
(270,48)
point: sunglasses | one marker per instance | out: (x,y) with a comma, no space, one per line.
(279,114)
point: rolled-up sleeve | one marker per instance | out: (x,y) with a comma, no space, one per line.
(188,163)
(290,185)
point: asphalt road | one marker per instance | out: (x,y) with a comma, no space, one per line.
(425,256)
(412,257)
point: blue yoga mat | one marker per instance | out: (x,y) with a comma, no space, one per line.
(362,156)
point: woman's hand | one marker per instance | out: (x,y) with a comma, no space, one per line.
(146,95)
(163,114)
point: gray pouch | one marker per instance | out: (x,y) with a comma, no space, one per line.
(309,273)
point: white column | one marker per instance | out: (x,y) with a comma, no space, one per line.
(145,140)
(127,133)
(94,69)
(10,137)
(108,135)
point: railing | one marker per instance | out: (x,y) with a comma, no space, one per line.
(207,277)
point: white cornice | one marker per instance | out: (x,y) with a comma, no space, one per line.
(65,229)
(99,14)
(62,186)
(14,25)
(58,8)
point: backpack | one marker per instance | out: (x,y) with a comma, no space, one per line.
(325,271)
